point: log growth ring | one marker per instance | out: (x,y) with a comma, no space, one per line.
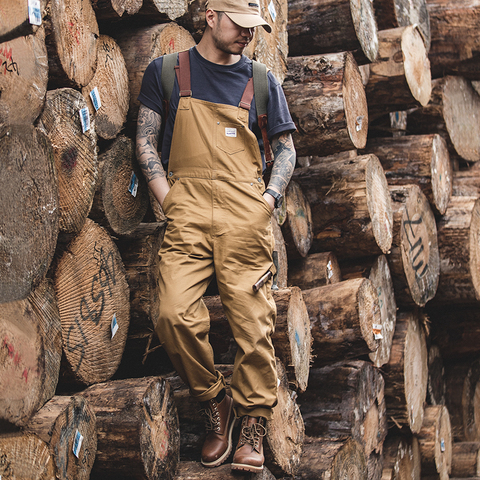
(474,248)
(363,17)
(442,174)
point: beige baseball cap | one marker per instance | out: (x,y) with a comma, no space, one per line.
(245,13)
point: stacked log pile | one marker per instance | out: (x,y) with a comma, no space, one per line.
(378,285)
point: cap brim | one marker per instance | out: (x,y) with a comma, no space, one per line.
(248,21)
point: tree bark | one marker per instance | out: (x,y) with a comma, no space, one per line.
(281,254)
(400,78)
(435,441)
(29,202)
(406,374)
(351,206)
(141,46)
(466,182)
(465,459)
(319,27)
(121,199)
(400,13)
(25,456)
(339,121)
(462,399)
(161,11)
(453,112)
(93,300)
(292,338)
(72,37)
(344,400)
(111,81)
(297,228)
(315,270)
(458,243)
(111,10)
(74,153)
(30,354)
(68,426)
(17,23)
(417,159)
(401,458)
(24,78)
(378,272)
(342,318)
(327,459)
(414,258)
(138,430)
(454,33)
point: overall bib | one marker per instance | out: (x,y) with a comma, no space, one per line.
(218,222)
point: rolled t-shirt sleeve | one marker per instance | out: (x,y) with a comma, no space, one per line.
(151,94)
(279,118)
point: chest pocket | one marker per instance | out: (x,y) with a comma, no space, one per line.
(230,137)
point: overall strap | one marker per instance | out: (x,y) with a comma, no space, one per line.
(260,85)
(183,74)
(167,79)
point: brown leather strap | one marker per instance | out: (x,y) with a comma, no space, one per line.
(262,123)
(247,97)
(183,74)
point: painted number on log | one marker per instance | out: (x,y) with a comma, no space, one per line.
(92,305)
(418,249)
(8,63)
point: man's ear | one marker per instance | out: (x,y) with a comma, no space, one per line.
(211,17)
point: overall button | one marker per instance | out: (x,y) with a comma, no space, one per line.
(170,174)
(259,179)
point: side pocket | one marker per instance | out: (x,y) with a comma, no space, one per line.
(167,200)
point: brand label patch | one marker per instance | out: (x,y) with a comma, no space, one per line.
(230,132)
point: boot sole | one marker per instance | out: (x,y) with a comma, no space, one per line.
(246,468)
(221,459)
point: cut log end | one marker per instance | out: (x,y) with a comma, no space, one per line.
(379,203)
(356,109)
(416,373)
(416,64)
(442,174)
(93,300)
(369,313)
(363,16)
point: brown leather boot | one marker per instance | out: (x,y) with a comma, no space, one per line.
(219,422)
(249,453)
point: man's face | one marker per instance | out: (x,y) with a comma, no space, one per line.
(229,37)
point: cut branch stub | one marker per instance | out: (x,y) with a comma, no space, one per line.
(93,300)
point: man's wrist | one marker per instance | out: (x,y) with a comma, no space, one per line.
(278,197)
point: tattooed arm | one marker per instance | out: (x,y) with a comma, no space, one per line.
(285,157)
(148,132)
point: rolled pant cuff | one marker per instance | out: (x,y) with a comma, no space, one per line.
(212,392)
(255,412)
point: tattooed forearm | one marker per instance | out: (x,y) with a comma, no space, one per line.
(285,157)
(148,132)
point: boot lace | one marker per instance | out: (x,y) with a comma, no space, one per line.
(212,417)
(251,434)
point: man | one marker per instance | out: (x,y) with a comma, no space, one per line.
(219,222)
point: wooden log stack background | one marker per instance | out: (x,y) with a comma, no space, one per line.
(377,338)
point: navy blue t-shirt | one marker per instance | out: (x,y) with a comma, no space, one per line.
(223,84)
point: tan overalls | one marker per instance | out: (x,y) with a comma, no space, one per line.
(218,221)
